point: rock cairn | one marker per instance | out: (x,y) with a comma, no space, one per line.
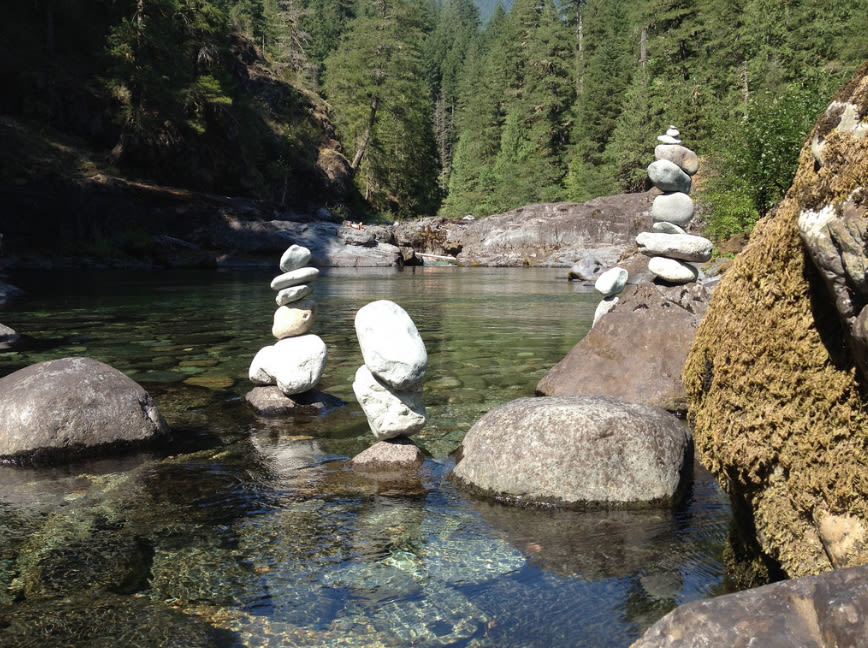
(671,248)
(295,363)
(389,385)
(609,285)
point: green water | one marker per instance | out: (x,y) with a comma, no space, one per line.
(248,531)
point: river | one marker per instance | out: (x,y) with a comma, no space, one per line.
(249,531)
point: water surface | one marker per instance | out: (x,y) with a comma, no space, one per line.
(249,531)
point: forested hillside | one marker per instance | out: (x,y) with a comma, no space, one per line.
(423,105)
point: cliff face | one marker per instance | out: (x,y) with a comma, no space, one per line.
(777,400)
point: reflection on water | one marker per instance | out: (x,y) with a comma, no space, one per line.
(248,531)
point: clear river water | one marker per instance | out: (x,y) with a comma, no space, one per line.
(246,531)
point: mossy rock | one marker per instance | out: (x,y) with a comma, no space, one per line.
(779,411)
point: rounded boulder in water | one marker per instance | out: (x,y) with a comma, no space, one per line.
(391,346)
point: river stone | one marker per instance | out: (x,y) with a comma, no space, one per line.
(826,610)
(674,207)
(8,337)
(585,269)
(268,401)
(668,176)
(294,278)
(293,294)
(390,413)
(668,139)
(672,270)
(294,364)
(291,321)
(295,257)
(393,455)
(686,159)
(575,451)
(391,346)
(604,307)
(685,247)
(611,282)
(667,228)
(73,406)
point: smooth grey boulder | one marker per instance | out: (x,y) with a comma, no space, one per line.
(673,207)
(685,247)
(668,176)
(672,270)
(686,159)
(821,611)
(662,227)
(390,413)
(585,269)
(295,257)
(391,346)
(294,364)
(575,451)
(611,282)
(73,406)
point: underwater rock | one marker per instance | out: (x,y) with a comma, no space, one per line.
(575,451)
(73,406)
(396,454)
(270,401)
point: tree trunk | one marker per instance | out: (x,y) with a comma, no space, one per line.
(372,118)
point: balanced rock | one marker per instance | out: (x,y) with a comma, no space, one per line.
(686,247)
(390,413)
(686,159)
(293,294)
(606,304)
(294,320)
(294,258)
(668,176)
(673,207)
(611,282)
(575,451)
(294,278)
(391,346)
(270,401)
(72,406)
(672,270)
(398,454)
(667,228)
(294,364)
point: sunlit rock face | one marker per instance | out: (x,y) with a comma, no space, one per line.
(776,379)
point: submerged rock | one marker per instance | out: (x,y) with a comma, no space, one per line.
(394,455)
(270,401)
(73,406)
(575,451)
(828,610)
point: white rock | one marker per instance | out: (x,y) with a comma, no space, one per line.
(611,282)
(673,207)
(668,139)
(680,155)
(391,346)
(668,176)
(297,319)
(604,307)
(390,413)
(672,131)
(293,294)
(667,228)
(685,247)
(294,258)
(672,270)
(294,278)
(294,364)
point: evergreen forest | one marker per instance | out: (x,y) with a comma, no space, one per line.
(447,107)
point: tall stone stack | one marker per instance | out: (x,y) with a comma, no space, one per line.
(671,248)
(295,363)
(389,385)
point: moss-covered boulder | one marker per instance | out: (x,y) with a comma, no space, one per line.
(778,406)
